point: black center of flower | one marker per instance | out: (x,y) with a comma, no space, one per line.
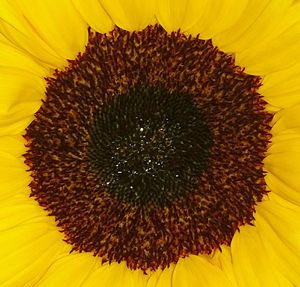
(149,146)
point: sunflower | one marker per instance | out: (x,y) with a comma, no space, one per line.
(150,143)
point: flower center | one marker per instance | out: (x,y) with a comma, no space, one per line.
(149,148)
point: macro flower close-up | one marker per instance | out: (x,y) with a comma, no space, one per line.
(149,143)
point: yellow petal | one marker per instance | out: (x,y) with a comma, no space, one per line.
(18,88)
(284,100)
(283,159)
(70,270)
(18,31)
(216,17)
(286,120)
(284,218)
(273,56)
(12,168)
(281,188)
(27,252)
(130,15)
(93,13)
(195,271)
(284,256)
(276,53)
(15,58)
(20,97)
(10,187)
(12,145)
(11,150)
(16,127)
(223,260)
(282,201)
(284,142)
(58,24)
(260,19)
(20,209)
(3,39)
(116,275)
(286,167)
(252,265)
(282,88)
(180,14)
(285,148)
(162,278)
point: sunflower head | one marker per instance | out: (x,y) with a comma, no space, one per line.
(160,143)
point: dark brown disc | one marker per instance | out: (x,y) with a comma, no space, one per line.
(149,147)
